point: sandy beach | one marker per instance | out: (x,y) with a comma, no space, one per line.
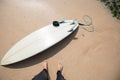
(84,55)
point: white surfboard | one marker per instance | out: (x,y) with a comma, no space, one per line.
(39,41)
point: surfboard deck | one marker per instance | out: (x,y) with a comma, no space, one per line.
(39,41)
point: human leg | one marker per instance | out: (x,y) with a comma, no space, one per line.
(59,72)
(43,75)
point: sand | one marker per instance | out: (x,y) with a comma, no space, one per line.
(84,55)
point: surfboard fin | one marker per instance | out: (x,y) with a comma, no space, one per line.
(70,30)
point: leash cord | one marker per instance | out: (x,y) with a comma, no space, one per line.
(88,22)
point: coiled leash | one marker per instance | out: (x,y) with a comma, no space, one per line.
(88,22)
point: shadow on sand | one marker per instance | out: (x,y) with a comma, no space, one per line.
(45,54)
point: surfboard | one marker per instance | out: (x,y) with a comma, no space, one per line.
(39,41)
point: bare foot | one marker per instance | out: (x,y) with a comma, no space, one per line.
(60,67)
(45,65)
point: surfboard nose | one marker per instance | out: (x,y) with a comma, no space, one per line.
(4,62)
(1,63)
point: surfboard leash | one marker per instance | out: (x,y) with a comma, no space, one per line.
(88,22)
(87,19)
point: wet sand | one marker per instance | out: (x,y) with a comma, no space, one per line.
(85,55)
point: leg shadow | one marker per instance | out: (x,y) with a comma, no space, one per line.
(45,54)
